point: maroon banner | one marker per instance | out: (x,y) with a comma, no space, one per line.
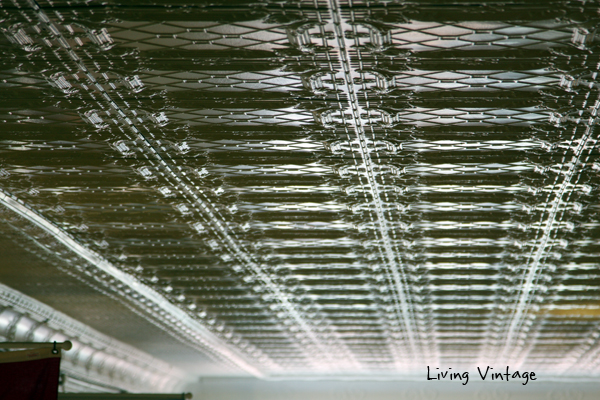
(29,375)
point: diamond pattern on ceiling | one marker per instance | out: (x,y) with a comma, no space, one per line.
(321,187)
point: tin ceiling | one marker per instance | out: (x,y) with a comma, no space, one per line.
(308,188)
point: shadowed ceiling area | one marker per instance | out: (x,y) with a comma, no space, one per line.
(300,189)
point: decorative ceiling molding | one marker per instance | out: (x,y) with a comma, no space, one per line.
(96,360)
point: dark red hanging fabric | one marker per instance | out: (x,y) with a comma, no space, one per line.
(29,375)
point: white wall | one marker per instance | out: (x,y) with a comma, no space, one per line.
(254,389)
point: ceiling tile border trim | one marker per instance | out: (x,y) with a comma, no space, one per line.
(94,356)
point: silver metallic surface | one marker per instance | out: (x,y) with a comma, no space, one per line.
(316,188)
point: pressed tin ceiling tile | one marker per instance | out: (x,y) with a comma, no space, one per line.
(318,188)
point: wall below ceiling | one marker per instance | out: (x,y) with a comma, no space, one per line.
(254,389)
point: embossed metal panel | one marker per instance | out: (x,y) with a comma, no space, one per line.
(326,187)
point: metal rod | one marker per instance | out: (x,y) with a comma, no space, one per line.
(66,345)
(124,396)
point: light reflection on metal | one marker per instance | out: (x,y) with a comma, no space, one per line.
(394,269)
(375,183)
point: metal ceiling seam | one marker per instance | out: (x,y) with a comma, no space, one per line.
(222,229)
(201,334)
(93,352)
(392,344)
(349,88)
(340,101)
(556,212)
